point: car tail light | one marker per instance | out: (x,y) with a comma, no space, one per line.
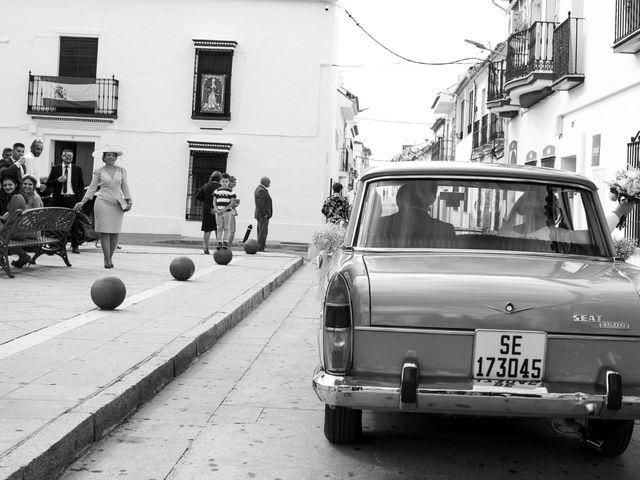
(337,328)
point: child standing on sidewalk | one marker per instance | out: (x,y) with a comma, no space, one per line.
(234,213)
(224,202)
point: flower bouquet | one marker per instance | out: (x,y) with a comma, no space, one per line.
(325,241)
(626,187)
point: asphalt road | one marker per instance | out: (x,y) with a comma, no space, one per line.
(246,409)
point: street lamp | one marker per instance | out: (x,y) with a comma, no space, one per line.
(482,46)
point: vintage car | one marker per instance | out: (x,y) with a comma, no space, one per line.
(485,290)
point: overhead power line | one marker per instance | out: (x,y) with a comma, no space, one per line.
(454,62)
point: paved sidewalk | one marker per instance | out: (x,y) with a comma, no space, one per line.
(69,372)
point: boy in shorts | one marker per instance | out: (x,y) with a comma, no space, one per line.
(224,200)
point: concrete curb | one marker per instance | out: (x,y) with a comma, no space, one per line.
(60,442)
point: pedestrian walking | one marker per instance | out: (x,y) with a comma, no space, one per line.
(112,201)
(67,183)
(336,207)
(205,195)
(263,212)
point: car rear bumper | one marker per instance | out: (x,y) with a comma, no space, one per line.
(477,397)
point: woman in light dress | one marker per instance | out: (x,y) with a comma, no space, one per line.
(111,202)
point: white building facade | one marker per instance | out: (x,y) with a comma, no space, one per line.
(578,88)
(566,81)
(188,87)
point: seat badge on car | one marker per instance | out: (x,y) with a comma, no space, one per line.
(509,308)
(600,321)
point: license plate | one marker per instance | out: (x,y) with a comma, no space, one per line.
(509,355)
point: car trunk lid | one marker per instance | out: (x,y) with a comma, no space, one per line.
(525,292)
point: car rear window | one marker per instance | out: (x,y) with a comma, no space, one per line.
(480,214)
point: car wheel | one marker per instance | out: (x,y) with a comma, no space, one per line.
(616,435)
(342,424)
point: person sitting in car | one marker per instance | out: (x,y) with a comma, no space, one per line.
(412,225)
(537,212)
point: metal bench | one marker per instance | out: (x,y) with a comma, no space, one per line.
(43,230)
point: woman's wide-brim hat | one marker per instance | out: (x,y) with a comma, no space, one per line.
(119,151)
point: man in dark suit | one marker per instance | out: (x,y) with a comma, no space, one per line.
(68,189)
(412,226)
(14,166)
(264,211)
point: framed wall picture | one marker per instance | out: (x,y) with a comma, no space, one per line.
(212,93)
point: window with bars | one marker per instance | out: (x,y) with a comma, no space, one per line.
(201,165)
(212,80)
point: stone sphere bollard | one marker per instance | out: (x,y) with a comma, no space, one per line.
(182,268)
(222,256)
(251,246)
(108,292)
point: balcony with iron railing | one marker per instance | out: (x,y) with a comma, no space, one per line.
(488,137)
(435,150)
(497,99)
(567,54)
(627,27)
(529,64)
(73,97)
(476,134)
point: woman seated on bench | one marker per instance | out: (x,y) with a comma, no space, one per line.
(29,193)
(11,200)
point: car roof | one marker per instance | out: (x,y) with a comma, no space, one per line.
(476,169)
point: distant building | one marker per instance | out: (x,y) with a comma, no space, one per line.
(344,169)
(187,87)
(565,82)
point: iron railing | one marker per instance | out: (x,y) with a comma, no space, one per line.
(496,128)
(565,48)
(436,150)
(483,129)
(627,18)
(476,134)
(40,101)
(487,130)
(632,227)
(530,50)
(495,87)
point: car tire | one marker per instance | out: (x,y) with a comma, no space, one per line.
(616,435)
(342,424)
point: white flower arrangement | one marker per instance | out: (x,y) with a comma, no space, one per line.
(625,247)
(325,241)
(626,185)
(328,237)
